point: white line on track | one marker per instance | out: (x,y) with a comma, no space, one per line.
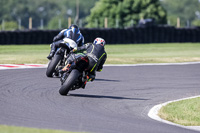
(23,66)
(154,64)
(153,113)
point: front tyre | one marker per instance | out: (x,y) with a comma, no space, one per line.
(73,76)
(52,65)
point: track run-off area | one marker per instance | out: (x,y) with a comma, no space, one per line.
(119,99)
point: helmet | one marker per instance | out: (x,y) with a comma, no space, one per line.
(100,41)
(73,26)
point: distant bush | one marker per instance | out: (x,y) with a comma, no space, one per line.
(9,25)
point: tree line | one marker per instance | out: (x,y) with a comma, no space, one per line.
(54,14)
(46,13)
(125,13)
(187,10)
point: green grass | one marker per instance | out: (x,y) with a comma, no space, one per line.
(117,54)
(153,53)
(185,112)
(19,54)
(14,129)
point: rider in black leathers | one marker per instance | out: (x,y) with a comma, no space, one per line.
(96,54)
(73,33)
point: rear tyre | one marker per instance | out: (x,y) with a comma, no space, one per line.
(52,65)
(73,76)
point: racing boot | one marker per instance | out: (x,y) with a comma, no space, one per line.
(91,77)
(51,55)
(66,68)
(52,52)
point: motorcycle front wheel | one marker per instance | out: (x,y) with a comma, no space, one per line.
(73,76)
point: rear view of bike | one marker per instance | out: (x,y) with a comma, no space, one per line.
(55,63)
(75,77)
(69,82)
(58,61)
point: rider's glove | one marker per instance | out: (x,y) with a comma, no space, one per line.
(75,49)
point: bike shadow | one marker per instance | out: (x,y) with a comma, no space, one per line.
(108,97)
(109,80)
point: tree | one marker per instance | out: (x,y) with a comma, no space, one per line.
(124,12)
(15,10)
(10,25)
(186,10)
(54,23)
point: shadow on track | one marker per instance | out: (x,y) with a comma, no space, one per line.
(110,97)
(107,80)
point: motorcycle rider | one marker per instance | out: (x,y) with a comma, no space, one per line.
(72,35)
(96,54)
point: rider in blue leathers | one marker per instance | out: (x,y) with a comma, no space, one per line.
(72,34)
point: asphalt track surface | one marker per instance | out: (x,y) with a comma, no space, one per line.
(118,101)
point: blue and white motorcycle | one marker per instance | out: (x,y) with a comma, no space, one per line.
(60,57)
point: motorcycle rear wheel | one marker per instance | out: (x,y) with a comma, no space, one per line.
(52,65)
(73,76)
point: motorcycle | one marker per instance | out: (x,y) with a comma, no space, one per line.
(75,77)
(60,57)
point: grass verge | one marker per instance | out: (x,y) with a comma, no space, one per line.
(117,54)
(185,112)
(14,129)
(153,53)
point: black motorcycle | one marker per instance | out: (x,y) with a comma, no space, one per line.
(59,58)
(75,77)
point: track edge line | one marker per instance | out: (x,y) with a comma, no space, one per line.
(153,114)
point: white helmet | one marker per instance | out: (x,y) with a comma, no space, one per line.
(100,41)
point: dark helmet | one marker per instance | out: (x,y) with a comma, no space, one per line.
(74,28)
